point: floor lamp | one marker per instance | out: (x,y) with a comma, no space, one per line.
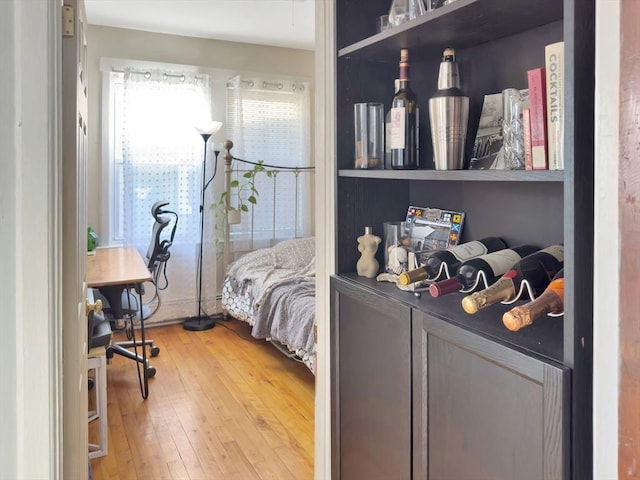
(202,321)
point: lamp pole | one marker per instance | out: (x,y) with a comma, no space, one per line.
(201,321)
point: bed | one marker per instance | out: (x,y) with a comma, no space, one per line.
(273,290)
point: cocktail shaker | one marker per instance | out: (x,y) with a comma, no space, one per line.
(448,116)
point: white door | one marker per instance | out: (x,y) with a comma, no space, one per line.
(74,239)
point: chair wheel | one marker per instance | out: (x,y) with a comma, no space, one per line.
(151,372)
(91,383)
(155,351)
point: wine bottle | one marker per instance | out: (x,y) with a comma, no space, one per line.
(387,129)
(452,257)
(537,270)
(492,265)
(403,138)
(551,301)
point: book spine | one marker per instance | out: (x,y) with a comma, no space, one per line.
(538,118)
(554,66)
(526,134)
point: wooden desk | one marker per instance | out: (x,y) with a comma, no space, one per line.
(116,266)
(123,266)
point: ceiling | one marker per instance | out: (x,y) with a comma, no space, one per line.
(278,23)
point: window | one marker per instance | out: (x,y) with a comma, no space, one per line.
(269,121)
(153,153)
(156,152)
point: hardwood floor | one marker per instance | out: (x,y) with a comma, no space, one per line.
(221,406)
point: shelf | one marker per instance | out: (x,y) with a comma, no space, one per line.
(461,24)
(459,175)
(544,338)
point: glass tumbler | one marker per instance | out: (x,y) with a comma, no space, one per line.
(369,135)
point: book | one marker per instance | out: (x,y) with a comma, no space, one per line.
(526,136)
(536,79)
(433,228)
(554,67)
(489,135)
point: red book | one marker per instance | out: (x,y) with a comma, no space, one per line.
(526,135)
(538,118)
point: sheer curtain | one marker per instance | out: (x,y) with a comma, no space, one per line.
(269,120)
(158,156)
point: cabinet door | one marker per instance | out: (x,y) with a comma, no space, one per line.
(371,385)
(483,410)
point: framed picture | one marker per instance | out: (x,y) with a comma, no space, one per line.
(433,228)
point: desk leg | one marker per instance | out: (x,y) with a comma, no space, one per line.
(143,379)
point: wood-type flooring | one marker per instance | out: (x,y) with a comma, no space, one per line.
(221,406)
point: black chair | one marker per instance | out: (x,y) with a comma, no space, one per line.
(122,304)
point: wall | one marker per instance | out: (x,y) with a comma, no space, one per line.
(156,47)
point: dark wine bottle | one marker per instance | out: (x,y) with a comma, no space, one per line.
(403,137)
(537,270)
(452,257)
(492,265)
(551,301)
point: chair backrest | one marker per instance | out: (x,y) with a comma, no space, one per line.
(161,240)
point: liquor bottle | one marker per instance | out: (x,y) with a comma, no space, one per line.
(492,266)
(448,116)
(451,257)
(403,138)
(387,129)
(537,270)
(551,301)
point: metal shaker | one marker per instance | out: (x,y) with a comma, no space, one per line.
(448,116)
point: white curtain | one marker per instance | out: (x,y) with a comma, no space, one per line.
(269,120)
(158,156)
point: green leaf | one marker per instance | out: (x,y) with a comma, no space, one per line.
(223,195)
(234,183)
(247,175)
(244,208)
(252,199)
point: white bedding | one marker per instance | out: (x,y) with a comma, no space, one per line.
(273,289)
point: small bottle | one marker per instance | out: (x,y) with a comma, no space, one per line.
(537,270)
(367,265)
(551,301)
(451,257)
(404,123)
(492,266)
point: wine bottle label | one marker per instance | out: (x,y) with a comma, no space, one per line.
(556,251)
(396,136)
(468,250)
(502,260)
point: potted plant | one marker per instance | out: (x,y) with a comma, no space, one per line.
(243,191)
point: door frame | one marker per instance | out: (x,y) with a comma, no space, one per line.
(30,241)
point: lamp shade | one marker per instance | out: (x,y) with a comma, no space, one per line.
(208,127)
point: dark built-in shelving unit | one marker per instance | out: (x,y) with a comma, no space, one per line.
(496,42)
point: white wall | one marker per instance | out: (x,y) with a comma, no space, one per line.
(156,47)
(606,309)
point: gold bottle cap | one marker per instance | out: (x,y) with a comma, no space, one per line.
(404,279)
(404,55)
(449,52)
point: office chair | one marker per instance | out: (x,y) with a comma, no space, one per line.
(123,306)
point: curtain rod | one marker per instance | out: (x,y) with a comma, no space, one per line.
(278,85)
(165,75)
